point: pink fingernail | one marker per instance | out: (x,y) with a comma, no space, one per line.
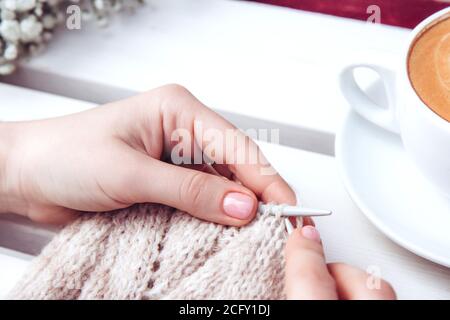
(311,233)
(238,205)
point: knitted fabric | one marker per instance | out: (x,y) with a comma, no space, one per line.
(155,252)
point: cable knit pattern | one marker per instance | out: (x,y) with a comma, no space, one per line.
(155,252)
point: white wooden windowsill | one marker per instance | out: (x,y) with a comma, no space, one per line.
(260,66)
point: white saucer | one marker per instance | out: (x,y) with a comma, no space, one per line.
(391,192)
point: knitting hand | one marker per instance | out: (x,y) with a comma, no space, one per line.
(119,154)
(309,277)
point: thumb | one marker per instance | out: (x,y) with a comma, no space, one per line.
(203,195)
(307,276)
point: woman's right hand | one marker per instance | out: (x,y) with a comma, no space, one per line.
(309,277)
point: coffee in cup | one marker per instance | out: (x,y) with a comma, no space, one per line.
(429,66)
(418,94)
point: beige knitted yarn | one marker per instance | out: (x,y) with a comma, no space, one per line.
(155,252)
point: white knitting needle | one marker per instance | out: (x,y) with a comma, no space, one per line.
(293,211)
(286,211)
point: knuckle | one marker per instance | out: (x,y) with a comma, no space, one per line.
(298,245)
(175,89)
(194,188)
(175,99)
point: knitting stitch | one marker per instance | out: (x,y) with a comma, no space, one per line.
(155,252)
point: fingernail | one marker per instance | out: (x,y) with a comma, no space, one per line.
(311,233)
(238,205)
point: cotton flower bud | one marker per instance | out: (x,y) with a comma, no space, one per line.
(27,25)
(49,21)
(38,11)
(10,30)
(30,29)
(11,52)
(99,4)
(7,15)
(6,69)
(19,5)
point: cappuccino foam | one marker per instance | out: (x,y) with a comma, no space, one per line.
(429,67)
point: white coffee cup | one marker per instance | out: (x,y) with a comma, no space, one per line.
(425,135)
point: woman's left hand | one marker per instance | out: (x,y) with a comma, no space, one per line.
(309,277)
(115,155)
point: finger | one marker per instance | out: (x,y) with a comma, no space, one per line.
(223,171)
(355,284)
(300,222)
(54,215)
(212,133)
(218,170)
(203,195)
(307,276)
(308,221)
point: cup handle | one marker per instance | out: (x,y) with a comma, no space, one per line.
(363,105)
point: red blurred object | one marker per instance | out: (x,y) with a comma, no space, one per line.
(403,13)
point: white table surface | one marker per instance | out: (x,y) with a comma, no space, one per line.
(13,265)
(260,66)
